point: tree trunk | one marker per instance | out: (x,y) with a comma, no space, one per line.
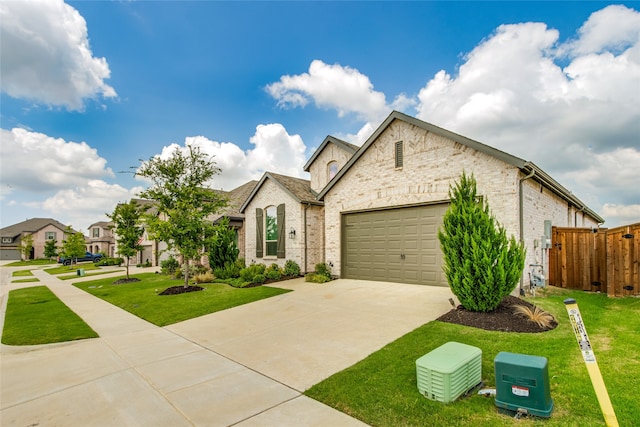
(186,273)
(127,268)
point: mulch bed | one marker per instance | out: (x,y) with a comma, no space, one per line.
(502,319)
(175,290)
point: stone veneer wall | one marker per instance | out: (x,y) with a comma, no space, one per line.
(272,194)
(318,169)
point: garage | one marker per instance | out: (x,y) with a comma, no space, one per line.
(394,245)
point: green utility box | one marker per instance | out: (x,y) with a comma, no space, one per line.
(450,370)
(522,383)
(80,271)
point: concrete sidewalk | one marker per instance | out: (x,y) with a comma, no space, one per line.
(245,366)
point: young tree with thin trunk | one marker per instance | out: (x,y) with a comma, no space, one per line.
(126,219)
(74,246)
(50,248)
(183,204)
(481,264)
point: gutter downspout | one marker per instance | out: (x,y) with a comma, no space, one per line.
(521,215)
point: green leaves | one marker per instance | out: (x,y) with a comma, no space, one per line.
(182,204)
(482,266)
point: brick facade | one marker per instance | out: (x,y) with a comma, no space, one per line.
(432,160)
(272,194)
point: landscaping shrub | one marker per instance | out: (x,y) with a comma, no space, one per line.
(273,272)
(169,266)
(110,261)
(321,274)
(222,247)
(259,278)
(248,273)
(206,277)
(481,264)
(291,268)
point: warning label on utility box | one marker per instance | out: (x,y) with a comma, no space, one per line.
(520,391)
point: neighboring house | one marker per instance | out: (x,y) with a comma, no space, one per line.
(101,239)
(235,199)
(42,229)
(373,212)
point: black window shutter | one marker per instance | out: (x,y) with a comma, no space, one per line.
(259,234)
(282,238)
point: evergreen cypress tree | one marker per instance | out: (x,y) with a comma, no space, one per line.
(481,264)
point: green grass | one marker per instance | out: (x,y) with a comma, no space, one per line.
(21,273)
(33,279)
(36,316)
(142,299)
(62,269)
(381,390)
(94,273)
(31,262)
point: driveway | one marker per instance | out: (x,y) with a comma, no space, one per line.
(245,366)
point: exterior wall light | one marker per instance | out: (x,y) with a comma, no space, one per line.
(292,234)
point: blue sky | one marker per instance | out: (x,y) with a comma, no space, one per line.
(91,87)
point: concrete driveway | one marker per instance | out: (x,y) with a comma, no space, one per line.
(245,366)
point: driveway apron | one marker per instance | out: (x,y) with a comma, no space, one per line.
(245,366)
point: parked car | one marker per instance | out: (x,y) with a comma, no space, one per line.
(88,256)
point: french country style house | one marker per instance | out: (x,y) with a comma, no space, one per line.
(373,212)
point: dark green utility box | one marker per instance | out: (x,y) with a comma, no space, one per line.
(522,383)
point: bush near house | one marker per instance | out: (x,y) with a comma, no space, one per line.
(322,274)
(481,264)
(169,265)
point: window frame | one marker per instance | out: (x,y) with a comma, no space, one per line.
(47,235)
(271,245)
(95,232)
(331,164)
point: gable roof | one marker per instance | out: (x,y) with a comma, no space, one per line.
(298,188)
(349,148)
(528,168)
(31,226)
(102,224)
(236,198)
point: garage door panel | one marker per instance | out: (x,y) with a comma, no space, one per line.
(375,241)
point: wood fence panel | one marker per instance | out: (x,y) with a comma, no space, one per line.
(576,259)
(623,260)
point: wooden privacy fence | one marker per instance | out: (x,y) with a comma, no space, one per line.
(606,260)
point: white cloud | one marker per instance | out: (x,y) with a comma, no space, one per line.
(85,204)
(46,57)
(580,123)
(274,151)
(622,214)
(35,162)
(610,29)
(344,89)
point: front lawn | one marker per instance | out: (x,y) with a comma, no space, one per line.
(142,299)
(71,268)
(381,390)
(30,263)
(93,273)
(22,273)
(36,316)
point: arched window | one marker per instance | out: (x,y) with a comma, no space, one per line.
(332,169)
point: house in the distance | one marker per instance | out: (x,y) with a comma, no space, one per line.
(374,212)
(101,238)
(41,229)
